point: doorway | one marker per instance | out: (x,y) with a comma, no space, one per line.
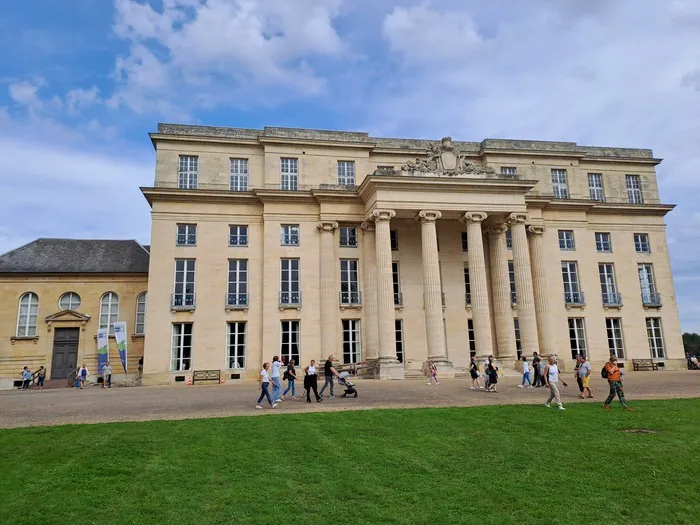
(65,352)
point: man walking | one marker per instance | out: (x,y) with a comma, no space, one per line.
(107,376)
(579,381)
(329,372)
(536,366)
(275,379)
(551,380)
(612,373)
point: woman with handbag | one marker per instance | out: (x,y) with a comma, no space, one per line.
(311,382)
(290,375)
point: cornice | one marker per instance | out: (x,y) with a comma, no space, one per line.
(284,196)
(179,195)
(157,137)
(312,142)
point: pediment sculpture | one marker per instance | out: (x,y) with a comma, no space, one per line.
(446,159)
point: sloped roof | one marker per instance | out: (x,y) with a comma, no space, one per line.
(76,256)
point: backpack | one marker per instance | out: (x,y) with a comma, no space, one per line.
(604,373)
(285,377)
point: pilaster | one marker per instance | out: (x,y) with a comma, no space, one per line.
(541,292)
(327,287)
(500,292)
(370,300)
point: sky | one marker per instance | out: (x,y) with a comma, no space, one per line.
(82,83)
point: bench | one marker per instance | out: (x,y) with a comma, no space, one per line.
(206,375)
(356,368)
(644,364)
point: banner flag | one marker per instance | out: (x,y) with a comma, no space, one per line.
(120,336)
(102,349)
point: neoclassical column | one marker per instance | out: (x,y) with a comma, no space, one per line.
(432,288)
(527,319)
(328,288)
(370,292)
(385,288)
(539,277)
(500,292)
(481,315)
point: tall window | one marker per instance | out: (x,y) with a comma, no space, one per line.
(289,234)
(394,239)
(509,239)
(511,278)
(109,311)
(641,243)
(509,171)
(183,293)
(187,174)
(186,234)
(398,330)
(467,286)
(472,340)
(572,291)
(646,281)
(236,335)
(140,326)
(346,173)
(607,284)
(349,287)
(348,237)
(603,244)
(290,343)
(577,336)
(566,240)
(237,235)
(69,301)
(656,338)
(560,187)
(289,282)
(289,174)
(595,187)
(239,175)
(351,341)
(465,242)
(27,315)
(396,281)
(613,326)
(237,283)
(181,356)
(518,342)
(634,189)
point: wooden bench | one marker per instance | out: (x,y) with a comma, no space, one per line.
(644,364)
(206,375)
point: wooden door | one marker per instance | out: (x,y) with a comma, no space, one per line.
(65,352)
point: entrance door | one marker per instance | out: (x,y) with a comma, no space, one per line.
(65,352)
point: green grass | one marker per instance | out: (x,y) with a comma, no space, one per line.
(485,465)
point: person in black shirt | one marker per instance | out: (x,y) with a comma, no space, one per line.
(536,365)
(329,372)
(290,375)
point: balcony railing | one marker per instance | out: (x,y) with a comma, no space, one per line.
(350,298)
(651,299)
(574,298)
(467,299)
(183,301)
(398,299)
(290,299)
(567,245)
(513,298)
(237,300)
(348,241)
(612,299)
(186,239)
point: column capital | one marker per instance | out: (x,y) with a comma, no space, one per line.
(383,215)
(536,230)
(497,229)
(518,218)
(428,215)
(474,216)
(368,227)
(326,226)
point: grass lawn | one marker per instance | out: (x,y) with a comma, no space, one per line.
(485,465)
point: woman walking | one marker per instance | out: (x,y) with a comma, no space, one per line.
(526,374)
(551,377)
(26,378)
(264,381)
(291,376)
(276,379)
(474,372)
(82,376)
(432,373)
(311,382)
(493,377)
(40,377)
(614,376)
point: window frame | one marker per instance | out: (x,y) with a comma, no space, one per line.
(398,334)
(600,242)
(574,285)
(560,183)
(351,328)
(180,358)
(32,311)
(616,341)
(346,173)
(286,352)
(110,314)
(234,354)
(465,242)
(511,281)
(651,280)
(289,173)
(596,190)
(639,244)
(471,337)
(349,288)
(633,184)
(188,172)
(238,288)
(238,177)
(396,283)
(567,240)
(186,287)
(290,286)
(349,235)
(238,235)
(394,240)
(575,342)
(509,171)
(142,314)
(518,340)
(186,234)
(287,237)
(70,304)
(608,282)
(656,338)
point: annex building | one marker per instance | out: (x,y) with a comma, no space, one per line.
(304,243)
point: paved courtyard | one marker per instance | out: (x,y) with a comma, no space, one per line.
(94,405)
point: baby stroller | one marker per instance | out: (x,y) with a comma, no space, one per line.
(344,380)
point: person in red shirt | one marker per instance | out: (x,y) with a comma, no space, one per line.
(615,382)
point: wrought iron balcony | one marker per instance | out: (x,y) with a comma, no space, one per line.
(467,299)
(186,239)
(574,298)
(651,299)
(398,299)
(236,300)
(183,301)
(513,298)
(612,299)
(292,299)
(350,298)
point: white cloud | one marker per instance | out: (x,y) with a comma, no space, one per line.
(80,99)
(25,93)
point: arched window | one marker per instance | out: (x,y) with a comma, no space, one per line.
(109,311)
(27,315)
(69,301)
(140,314)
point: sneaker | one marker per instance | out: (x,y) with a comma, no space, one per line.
(531,386)
(278,400)
(319,400)
(520,386)
(547,405)
(258,406)
(561,407)
(481,387)
(332,396)
(428,384)
(294,398)
(275,405)
(472,388)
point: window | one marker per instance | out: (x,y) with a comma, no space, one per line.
(641,243)
(465,242)
(566,240)
(109,311)
(595,187)
(472,341)
(69,301)
(351,341)
(518,342)
(613,327)
(509,239)
(511,278)
(237,235)
(236,335)
(646,281)
(572,292)
(186,234)
(140,326)
(237,283)
(634,189)
(346,173)
(577,336)
(183,293)
(607,284)
(348,237)
(289,282)
(181,357)
(395,278)
(603,243)
(398,330)
(394,238)
(560,187)
(289,346)
(239,175)
(656,338)
(289,235)
(467,286)
(289,174)
(349,287)
(187,174)
(27,315)
(508,171)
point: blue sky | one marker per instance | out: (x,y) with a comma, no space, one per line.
(84,81)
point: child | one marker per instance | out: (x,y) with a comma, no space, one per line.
(432,373)
(526,374)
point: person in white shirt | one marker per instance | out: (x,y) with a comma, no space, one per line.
(275,377)
(107,376)
(82,376)
(551,380)
(264,380)
(311,382)
(526,374)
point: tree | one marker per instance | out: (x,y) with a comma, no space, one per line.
(691,343)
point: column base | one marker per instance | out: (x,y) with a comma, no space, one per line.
(389,370)
(509,362)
